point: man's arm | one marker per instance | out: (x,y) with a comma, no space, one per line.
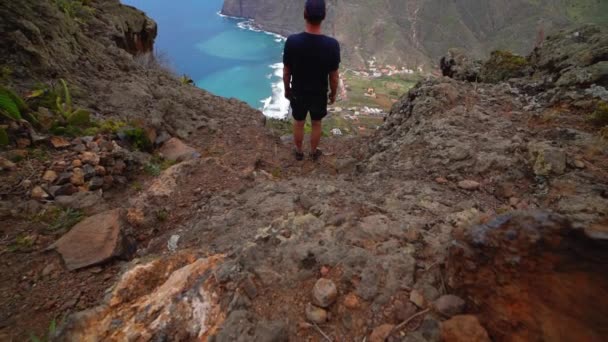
(334,79)
(334,76)
(287,81)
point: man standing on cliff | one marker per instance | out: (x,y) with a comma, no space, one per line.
(311,59)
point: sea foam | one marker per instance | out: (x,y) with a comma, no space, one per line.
(276,105)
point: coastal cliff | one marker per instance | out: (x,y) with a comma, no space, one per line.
(416,33)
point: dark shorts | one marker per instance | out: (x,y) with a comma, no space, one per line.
(301,105)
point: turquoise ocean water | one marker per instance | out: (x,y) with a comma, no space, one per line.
(222,55)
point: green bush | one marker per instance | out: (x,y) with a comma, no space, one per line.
(5,74)
(51,331)
(600,115)
(3,137)
(77,117)
(138,138)
(77,10)
(186,80)
(70,121)
(59,220)
(502,66)
(11,105)
(157,165)
(111,126)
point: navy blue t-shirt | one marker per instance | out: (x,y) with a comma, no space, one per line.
(311,57)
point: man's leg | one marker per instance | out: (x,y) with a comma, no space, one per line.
(298,134)
(315,135)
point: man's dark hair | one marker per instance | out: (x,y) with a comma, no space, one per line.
(314,11)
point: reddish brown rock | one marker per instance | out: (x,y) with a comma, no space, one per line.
(59,142)
(93,241)
(23,142)
(469,185)
(449,305)
(175,149)
(39,193)
(324,293)
(351,301)
(136,217)
(532,276)
(49,176)
(463,328)
(77,177)
(381,333)
(90,158)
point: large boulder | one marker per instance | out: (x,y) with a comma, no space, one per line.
(93,241)
(457,65)
(175,149)
(575,57)
(503,65)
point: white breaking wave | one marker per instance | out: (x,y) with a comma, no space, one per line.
(276,106)
(250,25)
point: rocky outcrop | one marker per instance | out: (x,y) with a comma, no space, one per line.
(532,276)
(457,65)
(135,31)
(173,297)
(569,59)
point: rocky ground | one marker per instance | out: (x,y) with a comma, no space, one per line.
(477,212)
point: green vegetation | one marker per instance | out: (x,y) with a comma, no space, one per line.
(39,154)
(158,165)
(585,11)
(77,10)
(111,126)
(137,186)
(162,215)
(387,88)
(23,243)
(502,66)
(11,105)
(186,80)
(600,115)
(51,331)
(74,117)
(138,138)
(59,220)
(5,74)
(68,121)
(12,108)
(4,140)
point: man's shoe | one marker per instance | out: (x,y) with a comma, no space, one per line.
(299,155)
(316,155)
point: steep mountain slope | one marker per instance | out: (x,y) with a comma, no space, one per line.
(418,32)
(104,52)
(378,250)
